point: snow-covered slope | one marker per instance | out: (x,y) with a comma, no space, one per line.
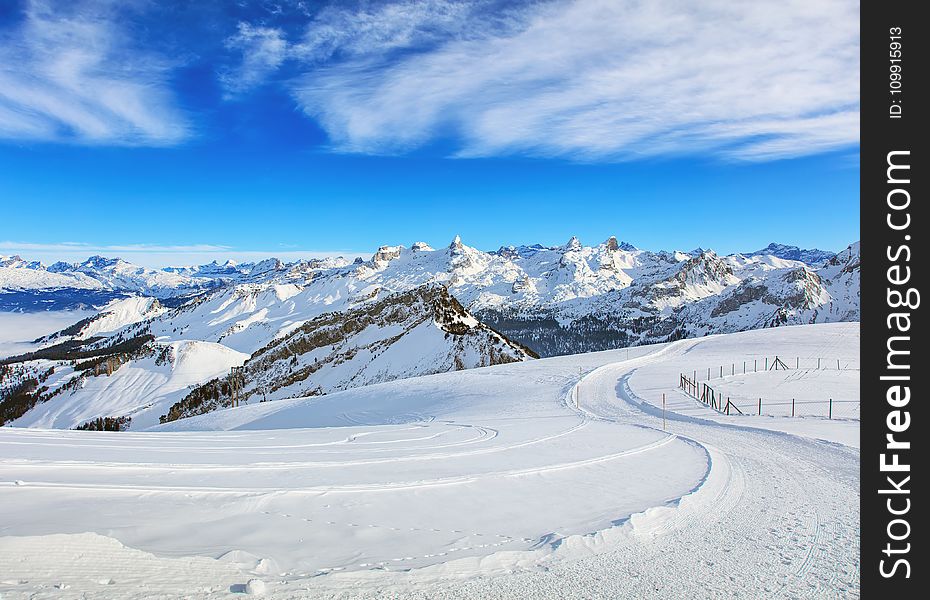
(407,334)
(113,316)
(142,389)
(554,478)
(132,374)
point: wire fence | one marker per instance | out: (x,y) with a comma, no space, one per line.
(776,363)
(829,408)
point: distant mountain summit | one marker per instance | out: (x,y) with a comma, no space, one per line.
(810,257)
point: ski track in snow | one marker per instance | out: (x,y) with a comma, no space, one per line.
(476,499)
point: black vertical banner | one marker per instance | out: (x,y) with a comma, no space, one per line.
(894,374)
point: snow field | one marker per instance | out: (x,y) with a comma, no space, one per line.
(837,340)
(555,472)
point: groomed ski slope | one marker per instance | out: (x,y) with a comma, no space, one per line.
(546,479)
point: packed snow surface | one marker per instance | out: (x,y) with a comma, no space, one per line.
(553,478)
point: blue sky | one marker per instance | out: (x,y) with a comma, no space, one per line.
(171,134)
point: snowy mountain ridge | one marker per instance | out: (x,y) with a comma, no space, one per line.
(811,256)
(97,373)
(556,300)
(406,334)
(315,327)
(117,275)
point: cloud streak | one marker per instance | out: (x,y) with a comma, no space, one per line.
(67,73)
(608,80)
(263,50)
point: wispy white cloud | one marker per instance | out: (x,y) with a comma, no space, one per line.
(68,73)
(380,28)
(337,30)
(601,80)
(263,50)
(157,256)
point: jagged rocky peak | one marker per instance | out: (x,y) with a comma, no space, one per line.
(269,264)
(812,256)
(806,289)
(60,267)
(421,247)
(573,244)
(17,262)
(611,244)
(99,262)
(508,252)
(456,244)
(848,258)
(386,254)
(705,267)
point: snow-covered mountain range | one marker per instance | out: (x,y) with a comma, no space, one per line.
(313,327)
(31,285)
(812,256)
(61,283)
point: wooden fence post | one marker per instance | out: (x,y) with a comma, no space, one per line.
(831,409)
(760,406)
(792,407)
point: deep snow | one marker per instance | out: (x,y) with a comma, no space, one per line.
(552,478)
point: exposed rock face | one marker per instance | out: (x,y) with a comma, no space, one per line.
(523,284)
(386,254)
